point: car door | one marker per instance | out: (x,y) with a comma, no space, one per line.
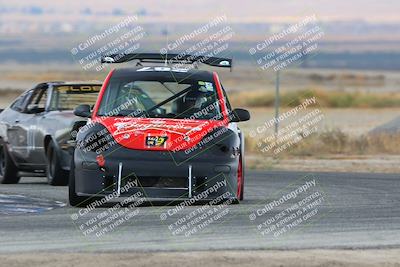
(22,134)
(33,126)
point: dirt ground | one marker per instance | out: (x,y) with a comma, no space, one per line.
(334,163)
(351,121)
(331,258)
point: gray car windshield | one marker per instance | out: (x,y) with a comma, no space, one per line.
(67,97)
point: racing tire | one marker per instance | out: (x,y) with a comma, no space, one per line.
(55,174)
(74,199)
(8,169)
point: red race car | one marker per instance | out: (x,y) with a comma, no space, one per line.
(165,132)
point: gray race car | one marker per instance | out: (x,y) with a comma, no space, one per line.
(35,131)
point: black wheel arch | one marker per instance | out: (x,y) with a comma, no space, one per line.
(46,142)
(3,142)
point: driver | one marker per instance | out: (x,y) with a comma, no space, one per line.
(194,101)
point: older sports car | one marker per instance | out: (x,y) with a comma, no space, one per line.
(164,132)
(35,131)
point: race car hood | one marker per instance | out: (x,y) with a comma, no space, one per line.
(159,134)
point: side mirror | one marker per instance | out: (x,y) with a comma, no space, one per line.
(239,114)
(83,111)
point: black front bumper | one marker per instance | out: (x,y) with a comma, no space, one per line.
(209,174)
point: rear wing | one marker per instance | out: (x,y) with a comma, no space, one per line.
(168,59)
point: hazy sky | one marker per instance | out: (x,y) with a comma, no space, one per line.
(236,10)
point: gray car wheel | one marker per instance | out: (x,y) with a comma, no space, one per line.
(8,170)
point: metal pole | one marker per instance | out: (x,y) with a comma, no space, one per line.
(277,105)
(190,182)
(119,179)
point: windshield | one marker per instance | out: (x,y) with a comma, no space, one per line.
(161,98)
(67,97)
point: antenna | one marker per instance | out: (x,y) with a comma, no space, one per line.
(166,49)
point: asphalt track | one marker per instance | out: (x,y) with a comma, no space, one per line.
(340,210)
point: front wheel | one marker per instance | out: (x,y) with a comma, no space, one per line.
(55,174)
(8,170)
